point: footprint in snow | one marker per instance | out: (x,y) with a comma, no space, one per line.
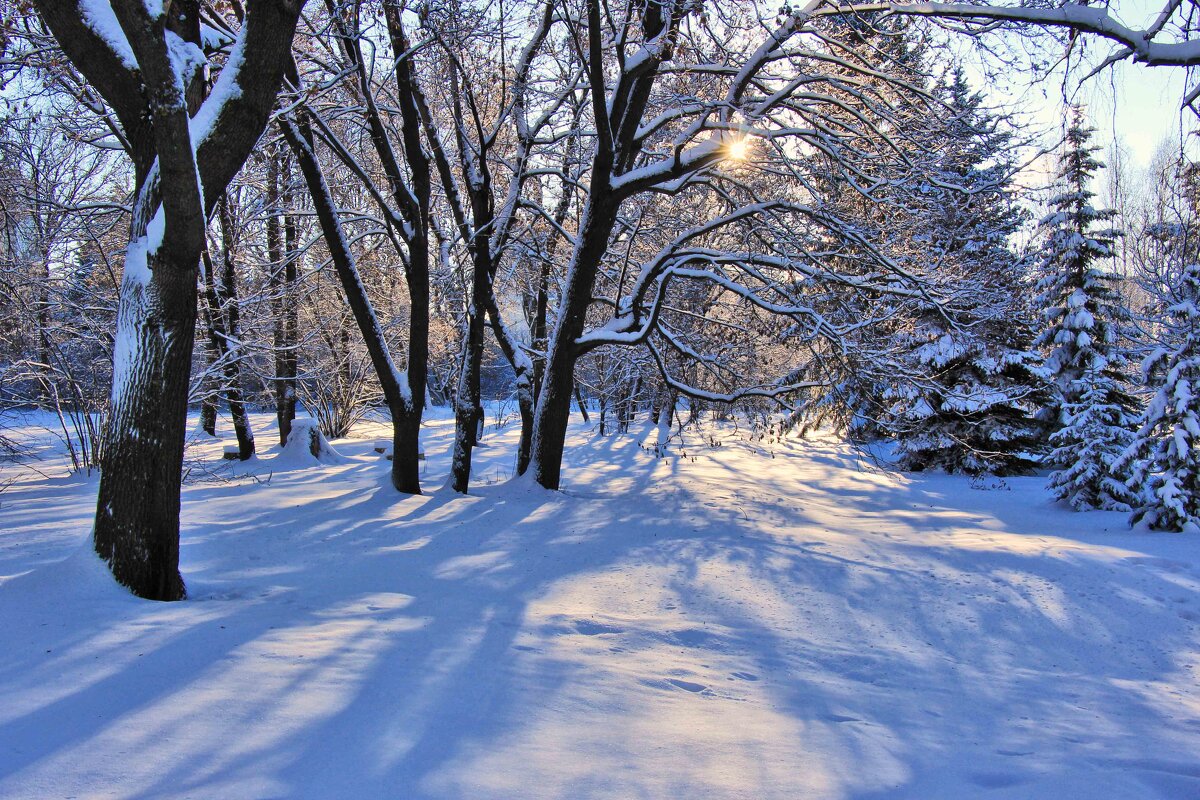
(669,684)
(744,676)
(589,628)
(1167,564)
(692,637)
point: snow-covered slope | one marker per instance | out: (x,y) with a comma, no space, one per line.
(748,621)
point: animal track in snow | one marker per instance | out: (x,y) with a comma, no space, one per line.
(590,628)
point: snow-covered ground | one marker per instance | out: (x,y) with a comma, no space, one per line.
(753,620)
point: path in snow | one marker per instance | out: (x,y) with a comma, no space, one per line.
(747,621)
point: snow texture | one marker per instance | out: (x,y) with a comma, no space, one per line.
(307,446)
(99,16)
(227,88)
(734,623)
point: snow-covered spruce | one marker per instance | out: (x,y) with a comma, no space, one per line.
(1093,414)
(971,383)
(1163,459)
(973,414)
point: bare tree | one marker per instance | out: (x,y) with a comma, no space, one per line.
(149,67)
(718,117)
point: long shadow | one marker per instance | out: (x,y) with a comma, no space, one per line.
(387,643)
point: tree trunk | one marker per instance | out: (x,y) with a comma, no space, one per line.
(467,405)
(523,370)
(218,341)
(43,325)
(178,182)
(405,413)
(554,402)
(137,514)
(583,412)
(227,311)
(537,330)
(208,402)
(282,255)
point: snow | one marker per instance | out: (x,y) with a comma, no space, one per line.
(306,447)
(226,89)
(213,39)
(98,15)
(135,284)
(1141,45)
(155,231)
(187,59)
(693,158)
(756,620)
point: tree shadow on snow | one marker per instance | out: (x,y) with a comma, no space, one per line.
(665,627)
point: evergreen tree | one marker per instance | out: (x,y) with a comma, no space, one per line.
(856,403)
(1093,412)
(973,408)
(1163,459)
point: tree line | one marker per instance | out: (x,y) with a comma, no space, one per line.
(380,202)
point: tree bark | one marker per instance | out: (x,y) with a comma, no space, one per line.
(523,370)
(227,311)
(281,252)
(178,181)
(617,119)
(554,402)
(405,413)
(137,515)
(579,402)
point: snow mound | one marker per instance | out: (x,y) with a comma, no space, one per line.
(81,577)
(307,446)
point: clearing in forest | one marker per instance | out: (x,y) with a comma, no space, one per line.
(759,619)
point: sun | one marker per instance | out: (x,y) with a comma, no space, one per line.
(738,149)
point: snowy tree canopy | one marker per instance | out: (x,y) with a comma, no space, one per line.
(1085,327)
(1164,458)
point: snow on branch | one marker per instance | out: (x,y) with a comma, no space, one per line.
(1141,46)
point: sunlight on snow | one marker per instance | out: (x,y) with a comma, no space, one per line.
(783,621)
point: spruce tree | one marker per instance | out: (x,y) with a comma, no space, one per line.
(856,401)
(1163,459)
(1093,413)
(971,407)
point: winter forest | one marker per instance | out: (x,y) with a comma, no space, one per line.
(597,399)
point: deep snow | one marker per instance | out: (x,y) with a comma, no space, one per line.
(754,620)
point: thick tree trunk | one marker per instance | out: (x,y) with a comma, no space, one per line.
(178,180)
(617,118)
(137,514)
(554,402)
